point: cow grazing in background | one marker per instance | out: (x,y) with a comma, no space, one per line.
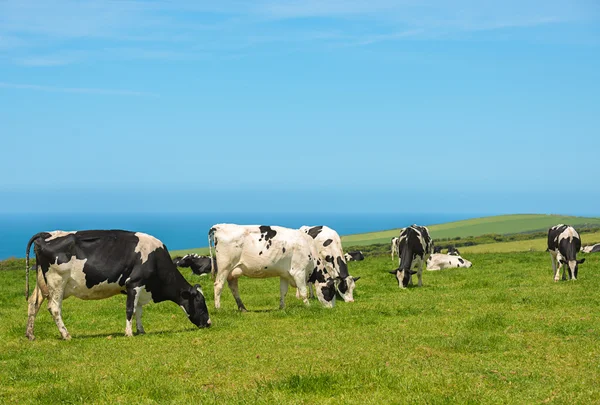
(414,249)
(453,251)
(268,251)
(329,246)
(439,261)
(563,244)
(354,256)
(94,265)
(395,241)
(437,249)
(200,265)
(591,249)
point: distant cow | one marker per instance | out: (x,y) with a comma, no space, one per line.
(395,241)
(563,244)
(437,249)
(414,249)
(200,265)
(453,251)
(268,251)
(329,246)
(438,261)
(354,256)
(591,249)
(94,265)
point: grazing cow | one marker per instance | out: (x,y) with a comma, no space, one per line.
(453,251)
(591,249)
(563,244)
(395,241)
(329,246)
(438,261)
(268,251)
(355,256)
(437,249)
(94,265)
(200,265)
(414,249)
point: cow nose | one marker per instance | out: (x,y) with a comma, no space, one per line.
(351,300)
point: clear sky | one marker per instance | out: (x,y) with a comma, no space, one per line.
(380,105)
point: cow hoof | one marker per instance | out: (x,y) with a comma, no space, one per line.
(67,337)
(242,309)
(30,337)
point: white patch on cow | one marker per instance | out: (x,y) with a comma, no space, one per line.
(58,234)
(184,311)
(75,280)
(568,233)
(146,245)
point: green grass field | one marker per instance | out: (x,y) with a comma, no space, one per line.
(500,332)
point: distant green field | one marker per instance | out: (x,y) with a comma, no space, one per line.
(501,332)
(503,224)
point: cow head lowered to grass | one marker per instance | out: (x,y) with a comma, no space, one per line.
(414,248)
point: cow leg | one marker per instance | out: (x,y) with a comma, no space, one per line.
(283,289)
(130,309)
(555,266)
(232,281)
(301,286)
(219,284)
(55,300)
(420,273)
(139,309)
(35,302)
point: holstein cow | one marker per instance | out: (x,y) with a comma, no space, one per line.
(591,249)
(354,256)
(563,244)
(437,249)
(453,251)
(414,249)
(200,265)
(268,251)
(394,247)
(94,265)
(329,246)
(439,261)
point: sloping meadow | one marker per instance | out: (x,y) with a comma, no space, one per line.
(500,332)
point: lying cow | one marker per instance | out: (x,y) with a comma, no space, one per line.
(437,249)
(200,265)
(354,256)
(453,251)
(438,261)
(94,265)
(329,246)
(265,251)
(591,249)
(563,244)
(414,247)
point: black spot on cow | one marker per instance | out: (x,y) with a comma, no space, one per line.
(267,232)
(314,231)
(327,242)
(343,267)
(329,259)
(260,253)
(283,249)
(461,261)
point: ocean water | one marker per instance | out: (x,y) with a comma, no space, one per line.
(189,230)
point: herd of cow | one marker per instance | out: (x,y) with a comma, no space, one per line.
(101,263)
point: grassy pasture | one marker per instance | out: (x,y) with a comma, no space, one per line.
(500,332)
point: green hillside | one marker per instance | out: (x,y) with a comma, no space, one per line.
(503,224)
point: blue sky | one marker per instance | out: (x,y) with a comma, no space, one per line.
(405,106)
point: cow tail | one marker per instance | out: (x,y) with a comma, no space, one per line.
(211,243)
(33,238)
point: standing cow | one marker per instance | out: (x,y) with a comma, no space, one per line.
(563,244)
(94,265)
(329,246)
(414,248)
(268,251)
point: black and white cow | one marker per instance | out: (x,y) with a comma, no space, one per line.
(591,248)
(437,249)
(414,249)
(98,264)
(439,261)
(452,251)
(563,244)
(200,265)
(354,256)
(329,246)
(268,251)
(394,247)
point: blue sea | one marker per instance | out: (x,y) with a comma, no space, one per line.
(184,231)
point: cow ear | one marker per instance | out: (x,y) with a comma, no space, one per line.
(393,272)
(355,279)
(581,261)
